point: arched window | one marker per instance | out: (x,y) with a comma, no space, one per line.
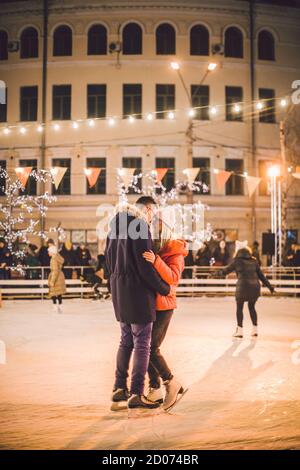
(29,43)
(132,39)
(97,40)
(165,39)
(266,46)
(199,40)
(234,46)
(3,45)
(62,41)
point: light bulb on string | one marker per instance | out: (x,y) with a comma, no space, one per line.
(75,125)
(191,112)
(23,130)
(40,128)
(6,130)
(56,127)
(283,102)
(111,121)
(259,105)
(213,110)
(131,119)
(236,108)
(149,117)
(91,122)
(171,115)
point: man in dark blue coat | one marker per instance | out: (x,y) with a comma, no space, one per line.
(134,283)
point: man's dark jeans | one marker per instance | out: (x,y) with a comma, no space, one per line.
(158,367)
(138,338)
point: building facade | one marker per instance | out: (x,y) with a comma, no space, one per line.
(106,90)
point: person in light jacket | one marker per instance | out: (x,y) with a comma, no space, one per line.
(56,279)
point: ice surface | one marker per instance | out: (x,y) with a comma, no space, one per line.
(56,385)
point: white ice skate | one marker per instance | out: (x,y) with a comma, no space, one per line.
(238,332)
(174,393)
(155,395)
(254,332)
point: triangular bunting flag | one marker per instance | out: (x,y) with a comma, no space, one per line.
(23,174)
(92,175)
(160,173)
(191,174)
(252,183)
(296,175)
(57,173)
(222,177)
(127,175)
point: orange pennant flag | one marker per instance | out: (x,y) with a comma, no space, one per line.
(160,173)
(23,174)
(222,177)
(92,175)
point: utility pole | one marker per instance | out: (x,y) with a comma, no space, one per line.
(253,123)
(284,176)
(44,100)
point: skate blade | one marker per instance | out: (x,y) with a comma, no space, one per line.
(143,412)
(179,397)
(118,406)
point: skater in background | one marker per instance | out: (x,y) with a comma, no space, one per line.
(249,274)
(169,263)
(56,280)
(134,284)
(221,254)
(70,259)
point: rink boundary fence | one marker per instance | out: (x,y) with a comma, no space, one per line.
(200,281)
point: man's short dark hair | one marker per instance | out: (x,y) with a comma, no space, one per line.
(145,200)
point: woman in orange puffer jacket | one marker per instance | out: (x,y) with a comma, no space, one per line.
(169,263)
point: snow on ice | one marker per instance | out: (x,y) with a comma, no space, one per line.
(57,380)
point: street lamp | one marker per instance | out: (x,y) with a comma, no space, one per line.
(274,172)
(189,134)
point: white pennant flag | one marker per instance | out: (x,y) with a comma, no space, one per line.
(191,174)
(252,183)
(57,173)
(126,175)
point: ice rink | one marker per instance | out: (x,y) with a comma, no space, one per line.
(56,384)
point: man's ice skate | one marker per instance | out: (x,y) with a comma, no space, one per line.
(155,395)
(254,332)
(119,399)
(238,332)
(174,393)
(139,405)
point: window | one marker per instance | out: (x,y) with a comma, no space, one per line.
(3,106)
(65,185)
(61,102)
(132,39)
(235,184)
(100,186)
(28,103)
(234,43)
(168,180)
(62,41)
(31,184)
(97,40)
(132,100)
(2,179)
(266,46)
(132,162)
(199,40)
(204,173)
(29,43)
(234,99)
(96,101)
(3,45)
(200,99)
(165,100)
(268,112)
(165,39)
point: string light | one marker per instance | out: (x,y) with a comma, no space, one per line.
(171,115)
(283,102)
(236,108)
(91,122)
(131,119)
(40,128)
(191,112)
(6,131)
(56,127)
(213,110)
(111,121)
(149,117)
(23,130)
(259,105)
(75,125)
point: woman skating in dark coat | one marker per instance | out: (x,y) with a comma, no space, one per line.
(247,288)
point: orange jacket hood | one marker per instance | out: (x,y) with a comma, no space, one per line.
(174,247)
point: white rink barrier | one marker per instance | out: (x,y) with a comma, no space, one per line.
(285,280)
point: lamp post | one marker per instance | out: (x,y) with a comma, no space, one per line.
(276,219)
(189,133)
